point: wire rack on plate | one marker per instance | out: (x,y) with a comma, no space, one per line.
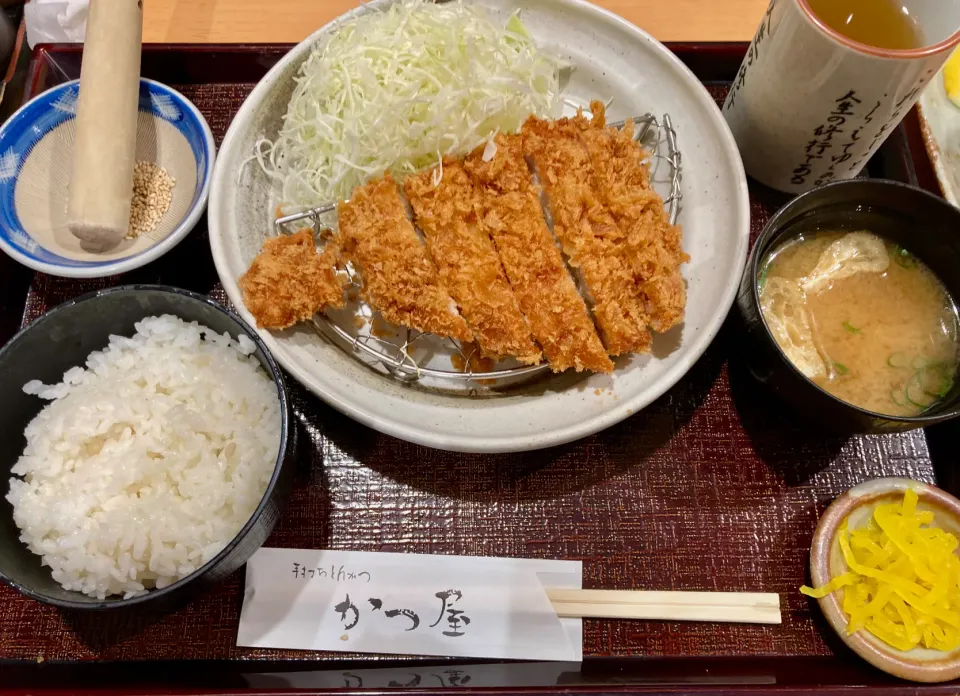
(422,359)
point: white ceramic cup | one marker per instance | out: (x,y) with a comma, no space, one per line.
(810,106)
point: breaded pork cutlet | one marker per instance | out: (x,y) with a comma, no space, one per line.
(289,282)
(548,297)
(623,182)
(468,263)
(399,280)
(591,238)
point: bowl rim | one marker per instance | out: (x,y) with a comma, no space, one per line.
(286,421)
(758,254)
(151,253)
(886,658)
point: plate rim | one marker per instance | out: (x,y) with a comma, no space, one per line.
(930,144)
(422,435)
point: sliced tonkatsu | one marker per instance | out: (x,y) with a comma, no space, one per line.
(289,281)
(548,296)
(623,182)
(591,238)
(488,270)
(468,264)
(398,278)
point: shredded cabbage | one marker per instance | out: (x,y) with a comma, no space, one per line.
(397,90)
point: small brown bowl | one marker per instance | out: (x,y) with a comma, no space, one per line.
(826,563)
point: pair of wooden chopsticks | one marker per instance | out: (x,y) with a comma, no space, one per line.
(730,607)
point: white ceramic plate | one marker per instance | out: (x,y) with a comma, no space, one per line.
(612,59)
(940,123)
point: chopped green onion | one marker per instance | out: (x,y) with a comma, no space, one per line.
(897,396)
(851,328)
(916,394)
(904,258)
(942,389)
(841,368)
(937,379)
(947,378)
(921,363)
(762,279)
(898,361)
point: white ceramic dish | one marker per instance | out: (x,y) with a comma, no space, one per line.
(37,142)
(612,58)
(940,124)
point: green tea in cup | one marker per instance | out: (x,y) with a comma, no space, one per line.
(879,23)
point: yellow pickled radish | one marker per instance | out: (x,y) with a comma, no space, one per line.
(903,578)
(951,78)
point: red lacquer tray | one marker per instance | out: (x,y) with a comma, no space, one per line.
(713,487)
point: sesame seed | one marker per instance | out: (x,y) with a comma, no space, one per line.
(152,194)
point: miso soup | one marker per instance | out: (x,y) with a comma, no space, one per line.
(862,318)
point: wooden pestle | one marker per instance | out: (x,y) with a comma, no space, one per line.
(101,183)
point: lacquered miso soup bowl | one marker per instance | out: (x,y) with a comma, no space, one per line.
(924,224)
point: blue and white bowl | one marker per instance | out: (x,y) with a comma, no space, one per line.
(36,154)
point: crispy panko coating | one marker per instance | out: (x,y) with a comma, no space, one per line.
(399,280)
(468,263)
(289,282)
(623,183)
(593,241)
(548,296)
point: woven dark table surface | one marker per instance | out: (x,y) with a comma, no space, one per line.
(711,488)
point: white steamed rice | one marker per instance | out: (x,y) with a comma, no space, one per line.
(149,461)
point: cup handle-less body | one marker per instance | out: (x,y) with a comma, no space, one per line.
(101,183)
(809,106)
